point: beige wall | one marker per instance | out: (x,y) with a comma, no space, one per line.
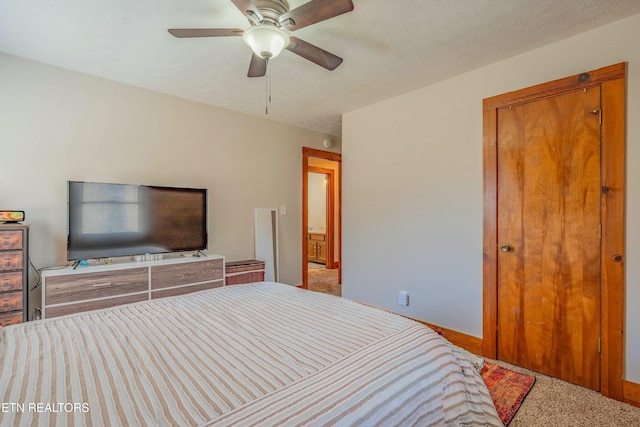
(418,228)
(57,125)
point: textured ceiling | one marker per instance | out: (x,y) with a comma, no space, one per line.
(389,47)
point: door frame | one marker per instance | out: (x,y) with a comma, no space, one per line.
(334,157)
(330,214)
(612,80)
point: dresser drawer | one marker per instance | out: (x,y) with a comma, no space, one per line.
(12,318)
(87,286)
(246,265)
(11,260)
(10,301)
(248,277)
(183,290)
(10,239)
(62,310)
(11,281)
(164,276)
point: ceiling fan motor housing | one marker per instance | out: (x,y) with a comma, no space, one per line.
(272,9)
(268,38)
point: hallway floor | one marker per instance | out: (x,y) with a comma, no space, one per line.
(323,280)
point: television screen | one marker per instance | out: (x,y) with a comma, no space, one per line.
(111,220)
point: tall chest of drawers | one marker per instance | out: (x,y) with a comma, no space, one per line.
(13,273)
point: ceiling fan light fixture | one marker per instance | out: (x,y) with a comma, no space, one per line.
(266,41)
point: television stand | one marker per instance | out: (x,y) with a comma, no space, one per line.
(74,290)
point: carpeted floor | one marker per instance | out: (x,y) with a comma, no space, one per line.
(553,402)
(323,280)
(316,266)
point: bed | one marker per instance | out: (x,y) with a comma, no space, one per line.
(257,354)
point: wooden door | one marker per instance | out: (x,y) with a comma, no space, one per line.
(549,236)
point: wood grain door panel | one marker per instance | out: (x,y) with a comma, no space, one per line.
(549,214)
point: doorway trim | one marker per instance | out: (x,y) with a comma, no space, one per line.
(335,157)
(330,213)
(612,80)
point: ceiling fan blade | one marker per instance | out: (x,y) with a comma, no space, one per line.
(205,32)
(257,67)
(314,11)
(314,54)
(249,10)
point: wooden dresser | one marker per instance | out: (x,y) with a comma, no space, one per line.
(67,291)
(14,284)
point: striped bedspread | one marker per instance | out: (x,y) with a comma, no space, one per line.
(261,354)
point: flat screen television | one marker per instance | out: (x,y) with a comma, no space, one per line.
(113,220)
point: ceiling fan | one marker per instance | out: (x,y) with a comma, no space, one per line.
(271,21)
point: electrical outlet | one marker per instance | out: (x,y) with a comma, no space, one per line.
(403,298)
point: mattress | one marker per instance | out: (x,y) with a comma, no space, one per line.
(256,354)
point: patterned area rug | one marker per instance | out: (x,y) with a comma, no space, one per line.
(507,388)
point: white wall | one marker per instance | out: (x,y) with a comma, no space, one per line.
(57,125)
(415,161)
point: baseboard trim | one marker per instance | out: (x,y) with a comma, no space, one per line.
(631,390)
(631,393)
(468,342)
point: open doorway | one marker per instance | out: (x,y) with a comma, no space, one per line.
(321,224)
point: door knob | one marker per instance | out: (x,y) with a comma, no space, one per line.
(505,247)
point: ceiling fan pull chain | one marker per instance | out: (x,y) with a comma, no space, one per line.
(269,77)
(267,89)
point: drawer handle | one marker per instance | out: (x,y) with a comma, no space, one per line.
(98,285)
